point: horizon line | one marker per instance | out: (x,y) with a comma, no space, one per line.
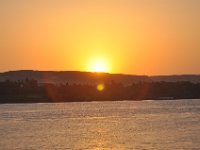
(186,74)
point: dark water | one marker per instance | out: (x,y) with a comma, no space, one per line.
(154,125)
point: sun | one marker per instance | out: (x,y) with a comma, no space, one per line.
(98,65)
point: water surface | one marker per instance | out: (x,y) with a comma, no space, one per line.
(160,125)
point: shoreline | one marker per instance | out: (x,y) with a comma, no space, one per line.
(80,101)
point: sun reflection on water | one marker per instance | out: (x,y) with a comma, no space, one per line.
(104,137)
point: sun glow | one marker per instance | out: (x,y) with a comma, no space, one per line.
(98,65)
(99,68)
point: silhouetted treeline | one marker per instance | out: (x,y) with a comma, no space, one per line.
(30,91)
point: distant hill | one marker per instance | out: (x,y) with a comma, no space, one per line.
(176,78)
(71,77)
(90,78)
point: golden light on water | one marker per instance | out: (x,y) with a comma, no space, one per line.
(100,87)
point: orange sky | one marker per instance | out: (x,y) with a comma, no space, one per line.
(149,37)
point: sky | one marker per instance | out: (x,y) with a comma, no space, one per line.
(146,37)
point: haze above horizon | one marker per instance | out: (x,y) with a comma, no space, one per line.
(117,36)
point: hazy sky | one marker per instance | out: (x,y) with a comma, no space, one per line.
(132,36)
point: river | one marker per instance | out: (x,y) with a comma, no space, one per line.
(121,125)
